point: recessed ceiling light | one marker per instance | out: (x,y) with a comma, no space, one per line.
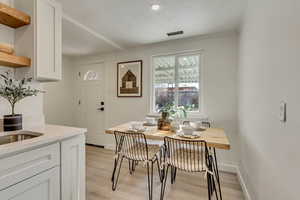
(155,7)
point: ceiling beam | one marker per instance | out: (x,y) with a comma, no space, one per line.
(92,32)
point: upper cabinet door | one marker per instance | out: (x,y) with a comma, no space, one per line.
(48,40)
(41,40)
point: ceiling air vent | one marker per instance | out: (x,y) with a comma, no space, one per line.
(175,33)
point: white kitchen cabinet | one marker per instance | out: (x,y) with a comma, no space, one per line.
(73,168)
(16,168)
(44,186)
(41,40)
(48,167)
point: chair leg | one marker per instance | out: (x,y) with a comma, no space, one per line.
(216,170)
(214,186)
(208,186)
(173,174)
(217,192)
(163,185)
(160,173)
(114,170)
(211,178)
(150,179)
(131,166)
(134,164)
(115,180)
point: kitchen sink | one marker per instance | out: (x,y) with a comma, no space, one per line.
(19,136)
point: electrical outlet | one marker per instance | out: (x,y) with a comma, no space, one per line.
(282,111)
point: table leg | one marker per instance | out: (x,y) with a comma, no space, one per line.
(217,172)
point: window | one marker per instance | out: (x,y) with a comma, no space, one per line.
(91,76)
(176,80)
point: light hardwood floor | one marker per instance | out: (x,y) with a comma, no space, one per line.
(188,186)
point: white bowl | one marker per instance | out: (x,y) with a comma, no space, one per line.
(196,125)
(136,125)
(150,120)
(187,130)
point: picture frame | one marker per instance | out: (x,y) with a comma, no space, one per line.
(130,78)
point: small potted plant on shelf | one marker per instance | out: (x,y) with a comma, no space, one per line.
(14,91)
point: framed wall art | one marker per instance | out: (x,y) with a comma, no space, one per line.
(129,79)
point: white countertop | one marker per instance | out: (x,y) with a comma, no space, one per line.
(51,134)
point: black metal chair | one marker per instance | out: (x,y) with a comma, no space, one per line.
(134,147)
(213,158)
(205,124)
(189,156)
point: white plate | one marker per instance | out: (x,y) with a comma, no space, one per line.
(137,130)
(149,124)
(193,136)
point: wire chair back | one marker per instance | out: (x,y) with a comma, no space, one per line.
(206,124)
(132,145)
(186,155)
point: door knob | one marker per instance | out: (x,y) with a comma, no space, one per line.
(100,109)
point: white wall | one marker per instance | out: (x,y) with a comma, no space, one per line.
(31,107)
(59,97)
(220,83)
(269,73)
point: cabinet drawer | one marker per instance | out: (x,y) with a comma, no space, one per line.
(16,168)
(45,186)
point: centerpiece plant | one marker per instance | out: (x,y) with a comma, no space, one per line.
(174,112)
(172,116)
(13,91)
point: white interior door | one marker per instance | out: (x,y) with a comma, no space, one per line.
(90,102)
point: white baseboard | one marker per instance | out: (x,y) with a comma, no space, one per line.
(228,168)
(243,184)
(235,169)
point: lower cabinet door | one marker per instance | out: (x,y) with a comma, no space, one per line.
(73,168)
(45,186)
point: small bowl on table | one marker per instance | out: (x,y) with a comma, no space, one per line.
(197,126)
(187,130)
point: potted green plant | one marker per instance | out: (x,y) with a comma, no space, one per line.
(173,114)
(14,91)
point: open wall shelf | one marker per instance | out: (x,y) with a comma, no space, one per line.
(8,49)
(12,17)
(14,61)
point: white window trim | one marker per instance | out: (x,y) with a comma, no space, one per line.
(191,115)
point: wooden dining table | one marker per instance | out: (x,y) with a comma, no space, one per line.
(215,138)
